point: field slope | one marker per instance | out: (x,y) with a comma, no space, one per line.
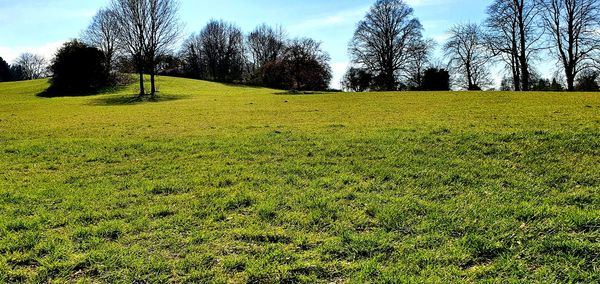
(218,183)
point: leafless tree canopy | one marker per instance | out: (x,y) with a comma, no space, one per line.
(146,29)
(163,31)
(102,34)
(468,56)
(419,62)
(217,52)
(308,64)
(383,41)
(131,17)
(573,26)
(513,34)
(33,66)
(265,44)
(303,66)
(387,45)
(356,80)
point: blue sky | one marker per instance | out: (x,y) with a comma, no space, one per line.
(40,26)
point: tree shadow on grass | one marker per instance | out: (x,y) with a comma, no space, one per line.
(296,93)
(50,93)
(133,100)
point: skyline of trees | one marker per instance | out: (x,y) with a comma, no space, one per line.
(385,41)
(33,66)
(574,34)
(468,57)
(388,44)
(216,53)
(516,34)
(102,33)
(146,30)
(513,35)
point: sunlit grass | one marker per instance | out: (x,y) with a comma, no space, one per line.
(217,183)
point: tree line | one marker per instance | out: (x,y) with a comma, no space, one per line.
(27,66)
(388,50)
(265,57)
(139,36)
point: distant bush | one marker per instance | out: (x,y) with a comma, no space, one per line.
(274,74)
(304,67)
(4,71)
(436,80)
(474,87)
(545,85)
(216,53)
(588,82)
(10,73)
(17,73)
(78,68)
(357,80)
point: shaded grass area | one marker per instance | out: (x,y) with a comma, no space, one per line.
(238,185)
(291,93)
(116,83)
(49,93)
(133,99)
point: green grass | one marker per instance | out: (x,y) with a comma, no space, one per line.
(216,183)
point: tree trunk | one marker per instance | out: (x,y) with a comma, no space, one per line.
(152,75)
(523,54)
(516,74)
(109,59)
(142,91)
(470,83)
(390,79)
(141,72)
(570,81)
(152,85)
(391,82)
(516,67)
(525,75)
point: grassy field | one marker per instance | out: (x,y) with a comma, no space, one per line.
(228,184)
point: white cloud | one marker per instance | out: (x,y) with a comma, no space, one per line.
(423,3)
(338,70)
(441,39)
(340,18)
(9,54)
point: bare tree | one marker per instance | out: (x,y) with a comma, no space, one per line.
(218,52)
(192,57)
(383,41)
(265,44)
(468,56)
(514,35)
(146,30)
(419,62)
(573,26)
(33,66)
(502,41)
(356,80)
(102,34)
(163,29)
(131,17)
(304,66)
(307,64)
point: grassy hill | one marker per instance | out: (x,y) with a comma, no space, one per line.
(217,183)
